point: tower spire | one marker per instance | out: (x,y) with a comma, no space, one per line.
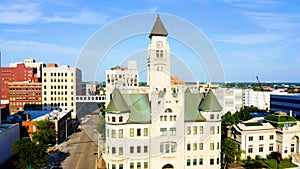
(158,28)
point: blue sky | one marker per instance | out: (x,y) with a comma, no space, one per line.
(252,38)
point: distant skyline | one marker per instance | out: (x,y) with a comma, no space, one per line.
(252,38)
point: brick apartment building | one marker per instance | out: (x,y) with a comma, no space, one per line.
(19,73)
(24,96)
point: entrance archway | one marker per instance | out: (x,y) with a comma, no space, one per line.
(168,166)
(295,145)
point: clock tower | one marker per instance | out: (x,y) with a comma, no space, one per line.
(158,58)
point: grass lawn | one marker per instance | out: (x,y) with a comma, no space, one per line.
(273,164)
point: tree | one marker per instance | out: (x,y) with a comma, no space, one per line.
(30,154)
(230,151)
(45,133)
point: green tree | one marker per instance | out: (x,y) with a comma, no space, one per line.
(45,133)
(230,151)
(30,154)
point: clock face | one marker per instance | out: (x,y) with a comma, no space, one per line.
(159,44)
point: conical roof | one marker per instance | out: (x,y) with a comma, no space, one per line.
(191,104)
(158,28)
(117,103)
(210,103)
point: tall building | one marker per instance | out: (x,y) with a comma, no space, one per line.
(33,64)
(60,85)
(24,96)
(289,103)
(162,128)
(19,73)
(231,99)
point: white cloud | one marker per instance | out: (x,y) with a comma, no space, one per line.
(17,30)
(37,47)
(251,38)
(19,14)
(253,4)
(153,9)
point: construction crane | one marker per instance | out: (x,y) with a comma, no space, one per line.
(258,83)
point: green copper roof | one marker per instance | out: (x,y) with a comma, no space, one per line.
(191,104)
(210,103)
(137,105)
(117,104)
(158,28)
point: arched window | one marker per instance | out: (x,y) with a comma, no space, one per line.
(168,110)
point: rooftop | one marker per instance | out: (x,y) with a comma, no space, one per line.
(158,28)
(4,127)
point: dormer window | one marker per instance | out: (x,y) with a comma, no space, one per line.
(168,110)
(113,119)
(121,119)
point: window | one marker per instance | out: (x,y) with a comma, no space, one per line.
(113,119)
(271,137)
(250,138)
(218,129)
(173,131)
(218,145)
(194,161)
(120,133)
(173,148)
(138,150)
(163,131)
(138,132)
(212,146)
(194,129)
(120,166)
(188,130)
(212,116)
(218,160)
(200,129)
(145,149)
(131,132)
(200,146)
(250,149)
(161,147)
(165,118)
(145,165)
(195,146)
(174,118)
(113,133)
(121,119)
(261,148)
(138,165)
(212,130)
(166,147)
(211,161)
(131,165)
(271,147)
(188,147)
(120,151)
(188,162)
(200,161)
(161,118)
(261,137)
(113,166)
(113,150)
(145,131)
(131,149)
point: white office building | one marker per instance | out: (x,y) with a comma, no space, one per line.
(59,86)
(161,128)
(231,99)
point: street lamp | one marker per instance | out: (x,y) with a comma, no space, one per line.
(67,128)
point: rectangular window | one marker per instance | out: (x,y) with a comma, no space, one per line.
(250,149)
(131,132)
(138,132)
(200,161)
(145,165)
(261,148)
(218,145)
(194,129)
(145,131)
(212,146)
(211,161)
(212,116)
(188,130)
(138,165)
(120,133)
(113,150)
(173,148)
(188,162)
(261,137)
(173,131)
(200,129)
(212,130)
(120,166)
(218,129)
(271,147)
(200,146)
(250,138)
(131,165)
(188,147)
(163,131)
(194,161)
(218,160)
(113,166)
(167,150)
(194,146)
(165,118)
(113,133)
(120,151)
(138,150)
(161,147)
(271,137)
(131,149)
(145,149)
